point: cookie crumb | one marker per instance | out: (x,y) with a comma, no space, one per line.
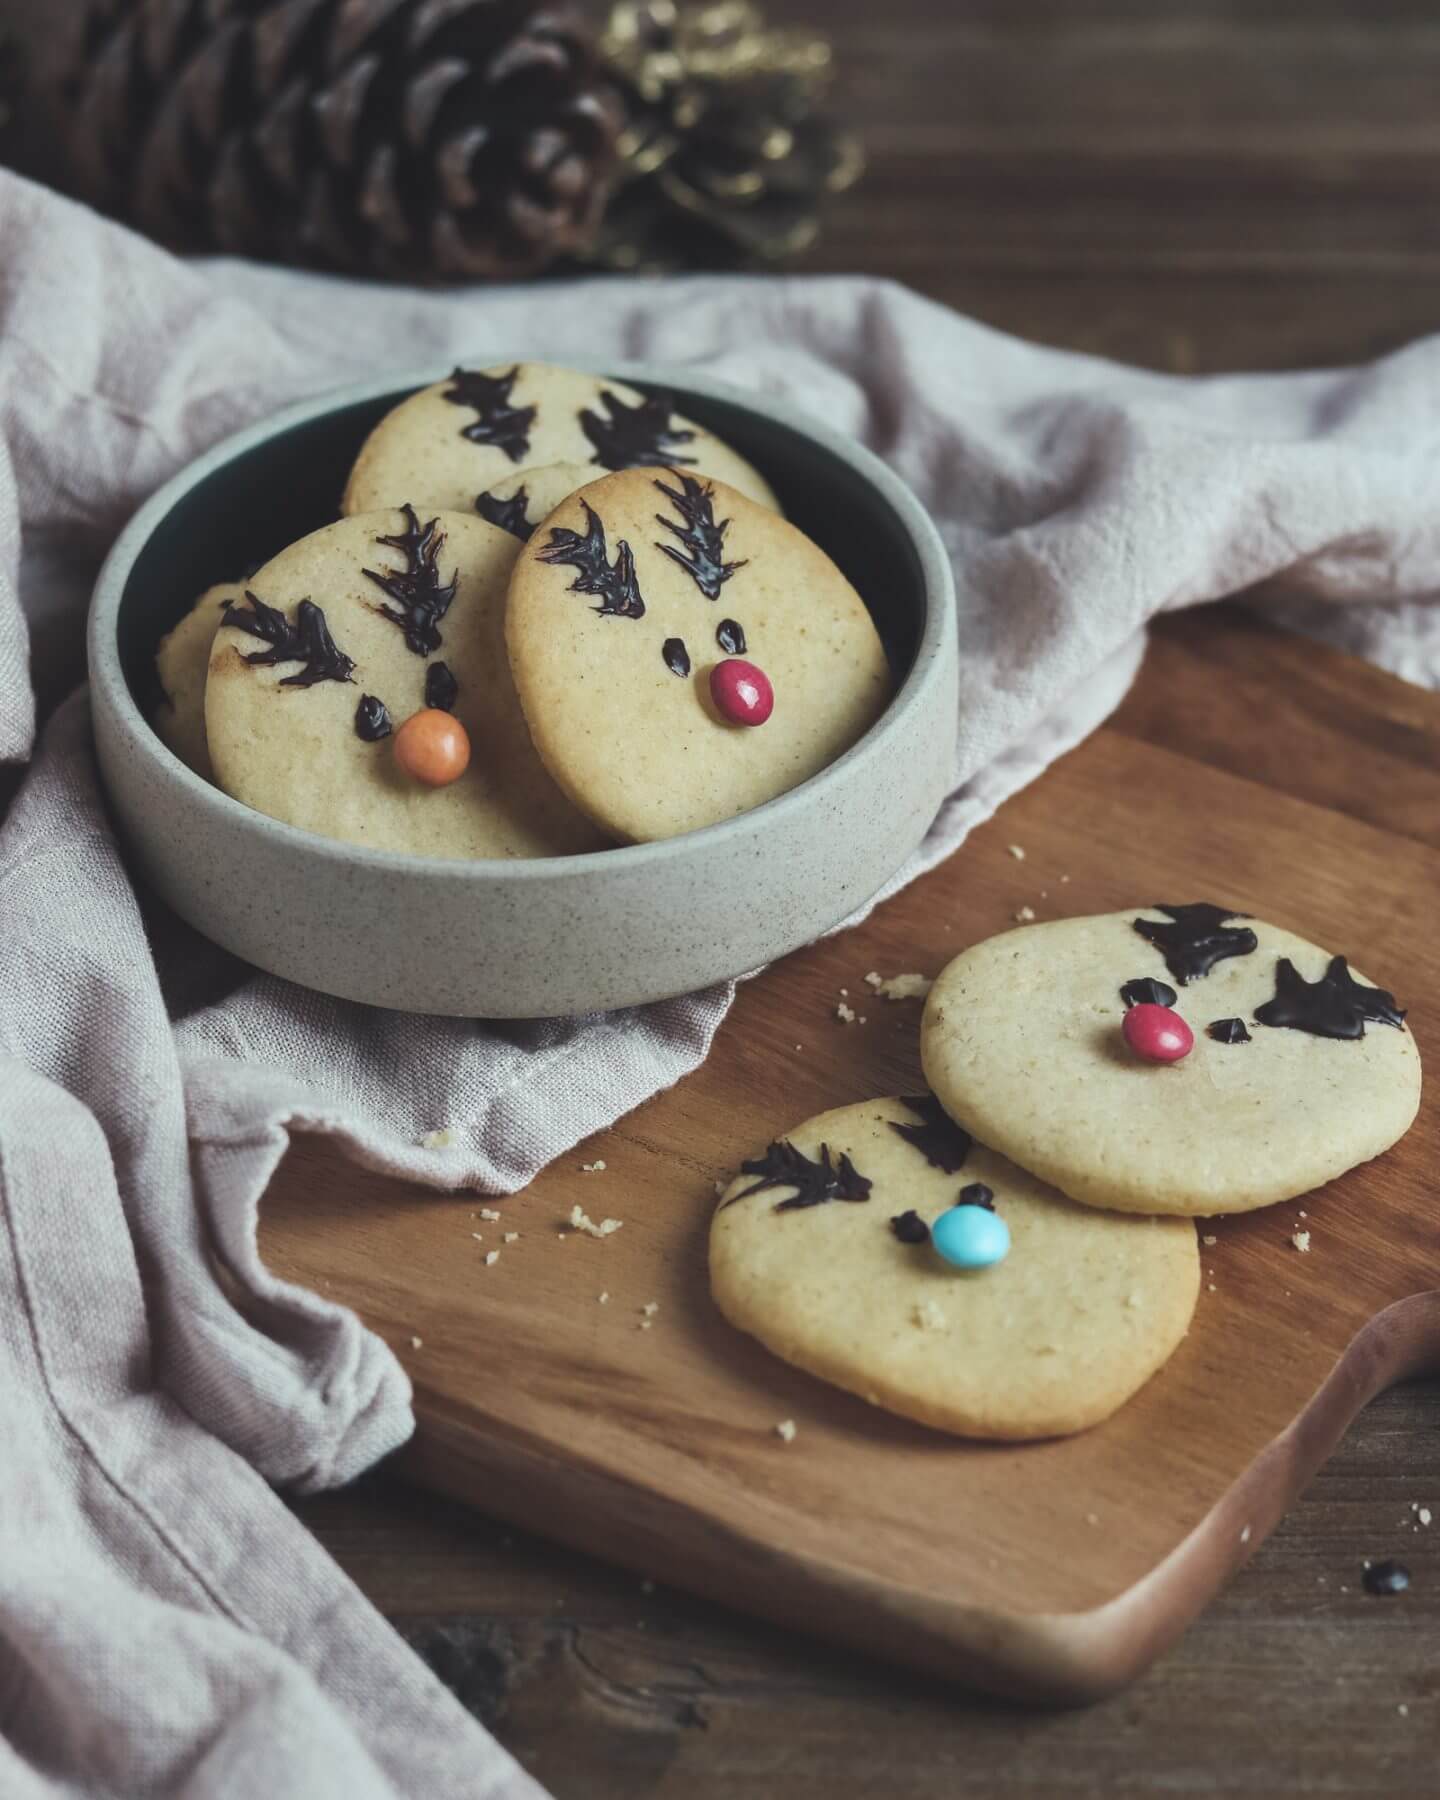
(650,1308)
(1424,1514)
(510,1237)
(605,1298)
(1025,915)
(479,1236)
(1207,1241)
(489,1212)
(785,1430)
(1303,1213)
(929,1315)
(1016,851)
(594,1168)
(1301,1241)
(491,1258)
(799,1048)
(1092,1518)
(1245,1534)
(1403,1710)
(581,1221)
(1210,1286)
(440,1139)
(900,987)
(417,1343)
(645,1324)
(844,1014)
(844,993)
(1064,878)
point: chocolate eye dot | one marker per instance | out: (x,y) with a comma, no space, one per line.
(677,657)
(730,636)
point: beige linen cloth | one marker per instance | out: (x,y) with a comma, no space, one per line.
(165,1627)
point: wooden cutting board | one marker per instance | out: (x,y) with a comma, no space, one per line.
(1247,766)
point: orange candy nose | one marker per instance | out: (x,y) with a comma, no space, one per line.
(433,747)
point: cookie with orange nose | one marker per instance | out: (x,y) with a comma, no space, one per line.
(683,654)
(358,687)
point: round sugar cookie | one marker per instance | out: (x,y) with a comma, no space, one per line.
(622,605)
(1294,1075)
(520,502)
(452,441)
(821,1248)
(344,636)
(182,661)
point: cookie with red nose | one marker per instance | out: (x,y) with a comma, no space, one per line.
(683,654)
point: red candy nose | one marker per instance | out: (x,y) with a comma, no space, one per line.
(741,692)
(1157,1033)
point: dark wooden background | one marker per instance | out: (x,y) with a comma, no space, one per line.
(1195,185)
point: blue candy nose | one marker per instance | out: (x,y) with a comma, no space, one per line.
(971,1237)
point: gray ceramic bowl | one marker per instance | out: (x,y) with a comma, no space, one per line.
(521,939)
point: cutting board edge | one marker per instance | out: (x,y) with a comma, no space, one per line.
(1073,1658)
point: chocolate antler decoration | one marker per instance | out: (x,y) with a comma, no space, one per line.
(509,514)
(1197,938)
(631,436)
(614,584)
(1335,1006)
(307,641)
(416,589)
(814,1183)
(937,1137)
(500,424)
(703,539)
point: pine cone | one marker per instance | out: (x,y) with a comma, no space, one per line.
(726,155)
(420,139)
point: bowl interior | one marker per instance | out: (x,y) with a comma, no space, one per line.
(252,506)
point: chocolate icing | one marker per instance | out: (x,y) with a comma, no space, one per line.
(1145,991)
(1228,1031)
(509,514)
(1388,1577)
(815,1183)
(937,1137)
(614,584)
(702,555)
(1197,939)
(500,424)
(977,1194)
(630,437)
(441,687)
(730,636)
(307,641)
(420,600)
(677,657)
(1335,1006)
(910,1228)
(372,719)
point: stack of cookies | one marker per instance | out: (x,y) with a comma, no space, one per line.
(1013,1254)
(553,616)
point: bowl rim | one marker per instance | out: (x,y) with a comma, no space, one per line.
(938,627)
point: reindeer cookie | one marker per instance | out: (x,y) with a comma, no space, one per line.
(451,442)
(683,654)
(1170,1059)
(359,688)
(880,1248)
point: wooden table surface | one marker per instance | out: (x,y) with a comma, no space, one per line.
(1194,185)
